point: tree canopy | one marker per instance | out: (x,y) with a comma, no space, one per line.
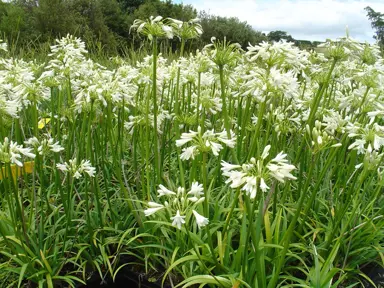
(278,35)
(106,23)
(377,23)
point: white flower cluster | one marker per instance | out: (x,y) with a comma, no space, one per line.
(44,146)
(180,204)
(366,139)
(321,138)
(19,87)
(256,174)
(3,46)
(168,28)
(11,152)
(208,141)
(77,170)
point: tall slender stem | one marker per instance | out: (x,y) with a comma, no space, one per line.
(157,174)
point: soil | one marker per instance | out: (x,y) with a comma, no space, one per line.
(376,273)
(126,278)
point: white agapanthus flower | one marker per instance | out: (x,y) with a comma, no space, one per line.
(8,106)
(178,220)
(201,221)
(153,27)
(153,208)
(3,46)
(195,192)
(11,152)
(206,142)
(255,174)
(369,137)
(44,146)
(163,191)
(181,204)
(77,170)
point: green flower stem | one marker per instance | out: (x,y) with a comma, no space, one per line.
(256,134)
(157,164)
(229,216)
(319,95)
(198,98)
(227,123)
(176,120)
(147,149)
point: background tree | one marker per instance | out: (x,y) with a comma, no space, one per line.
(130,5)
(377,23)
(104,24)
(278,35)
(232,28)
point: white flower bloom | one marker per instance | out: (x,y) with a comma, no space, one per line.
(3,46)
(77,171)
(193,199)
(11,152)
(44,146)
(185,138)
(223,137)
(153,208)
(168,31)
(62,167)
(359,145)
(263,186)
(163,191)
(15,159)
(250,186)
(182,141)
(196,190)
(204,143)
(226,167)
(77,175)
(188,153)
(178,220)
(85,166)
(55,147)
(236,178)
(281,171)
(26,152)
(215,147)
(201,221)
(265,152)
(255,174)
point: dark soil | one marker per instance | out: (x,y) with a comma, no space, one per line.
(125,278)
(376,274)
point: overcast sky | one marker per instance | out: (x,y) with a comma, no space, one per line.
(305,20)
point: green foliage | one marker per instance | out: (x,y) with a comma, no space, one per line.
(105,24)
(314,228)
(231,28)
(377,23)
(130,5)
(278,35)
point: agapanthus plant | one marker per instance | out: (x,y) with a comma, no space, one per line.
(179,205)
(255,174)
(11,152)
(77,170)
(153,27)
(204,142)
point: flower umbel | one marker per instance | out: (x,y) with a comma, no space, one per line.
(255,174)
(11,152)
(209,141)
(77,170)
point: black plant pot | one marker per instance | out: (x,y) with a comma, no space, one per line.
(125,278)
(376,274)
